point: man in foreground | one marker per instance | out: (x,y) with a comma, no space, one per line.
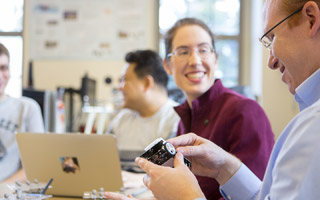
(292,33)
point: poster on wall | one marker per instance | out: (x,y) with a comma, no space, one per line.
(86,29)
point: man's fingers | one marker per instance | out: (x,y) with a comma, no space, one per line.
(190,151)
(178,160)
(146,180)
(183,140)
(145,165)
(116,196)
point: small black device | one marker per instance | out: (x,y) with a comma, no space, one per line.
(161,152)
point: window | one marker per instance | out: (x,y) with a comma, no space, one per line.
(222,16)
(11,25)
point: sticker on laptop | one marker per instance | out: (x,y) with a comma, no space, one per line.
(70,164)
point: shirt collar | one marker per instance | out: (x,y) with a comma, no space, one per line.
(210,95)
(308,92)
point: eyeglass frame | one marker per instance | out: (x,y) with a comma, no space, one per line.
(175,51)
(268,46)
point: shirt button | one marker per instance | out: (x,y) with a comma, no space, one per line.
(206,122)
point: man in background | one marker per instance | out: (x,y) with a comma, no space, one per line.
(16,115)
(148,112)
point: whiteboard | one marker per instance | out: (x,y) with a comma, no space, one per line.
(86,29)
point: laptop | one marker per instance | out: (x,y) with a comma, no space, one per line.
(77,163)
(127,158)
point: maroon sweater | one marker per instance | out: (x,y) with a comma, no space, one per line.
(235,123)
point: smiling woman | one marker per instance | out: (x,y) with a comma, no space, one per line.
(212,111)
(222,16)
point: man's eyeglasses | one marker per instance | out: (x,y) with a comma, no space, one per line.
(267,42)
(183,53)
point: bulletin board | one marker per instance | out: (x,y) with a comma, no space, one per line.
(86,29)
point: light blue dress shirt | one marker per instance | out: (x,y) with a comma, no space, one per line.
(293,170)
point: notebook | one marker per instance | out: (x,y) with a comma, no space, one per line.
(77,163)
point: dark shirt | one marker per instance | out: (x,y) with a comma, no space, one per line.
(235,123)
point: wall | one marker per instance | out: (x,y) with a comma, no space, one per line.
(277,101)
(272,93)
(274,96)
(50,74)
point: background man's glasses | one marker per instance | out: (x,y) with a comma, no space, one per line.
(268,42)
(184,53)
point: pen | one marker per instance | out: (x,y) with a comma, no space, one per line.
(47,186)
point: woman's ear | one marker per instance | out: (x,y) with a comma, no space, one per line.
(311,10)
(167,66)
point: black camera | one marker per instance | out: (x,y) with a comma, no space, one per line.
(161,152)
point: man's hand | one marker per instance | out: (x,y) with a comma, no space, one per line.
(170,183)
(207,158)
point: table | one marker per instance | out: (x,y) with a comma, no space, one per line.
(133,184)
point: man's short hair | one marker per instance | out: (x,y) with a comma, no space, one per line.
(148,62)
(4,50)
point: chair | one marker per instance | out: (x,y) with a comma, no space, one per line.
(101,113)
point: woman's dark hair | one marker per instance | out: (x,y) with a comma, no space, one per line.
(168,38)
(148,62)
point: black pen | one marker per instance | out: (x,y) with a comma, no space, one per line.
(46,187)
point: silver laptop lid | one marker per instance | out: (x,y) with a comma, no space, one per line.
(76,162)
